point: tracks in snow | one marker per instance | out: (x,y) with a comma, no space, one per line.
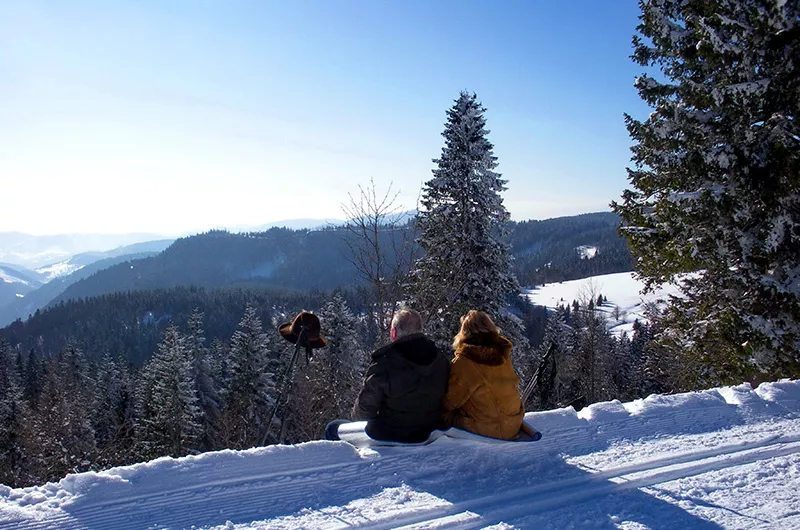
(492,509)
(216,501)
(258,495)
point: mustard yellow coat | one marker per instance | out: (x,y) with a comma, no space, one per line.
(482,395)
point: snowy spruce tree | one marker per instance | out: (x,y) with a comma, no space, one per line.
(170,415)
(467,261)
(106,395)
(31,370)
(553,388)
(248,397)
(203,376)
(112,413)
(716,181)
(593,354)
(346,358)
(60,427)
(13,412)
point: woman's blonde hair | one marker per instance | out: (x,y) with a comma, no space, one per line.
(474,323)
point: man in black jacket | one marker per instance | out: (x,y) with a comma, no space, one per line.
(404,384)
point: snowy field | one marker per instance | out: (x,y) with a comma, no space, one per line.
(722,458)
(57,270)
(625,303)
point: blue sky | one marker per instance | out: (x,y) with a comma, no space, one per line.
(173,116)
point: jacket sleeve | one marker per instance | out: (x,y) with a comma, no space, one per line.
(369,401)
(460,388)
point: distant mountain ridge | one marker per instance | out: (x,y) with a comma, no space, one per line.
(15,283)
(299,260)
(32,251)
(11,273)
(292,224)
(25,299)
(41,251)
(303,260)
(78,261)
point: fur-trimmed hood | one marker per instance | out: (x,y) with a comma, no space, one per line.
(482,395)
(486,348)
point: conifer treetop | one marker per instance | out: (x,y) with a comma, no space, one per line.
(467,261)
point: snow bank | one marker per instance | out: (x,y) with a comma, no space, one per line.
(583,455)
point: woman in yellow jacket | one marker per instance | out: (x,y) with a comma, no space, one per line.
(482,395)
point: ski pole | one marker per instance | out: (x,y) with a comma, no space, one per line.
(535,379)
(301,341)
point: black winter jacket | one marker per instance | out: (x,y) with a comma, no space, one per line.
(403,390)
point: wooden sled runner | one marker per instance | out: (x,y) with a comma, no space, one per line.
(354,434)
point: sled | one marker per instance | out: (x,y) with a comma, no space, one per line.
(354,434)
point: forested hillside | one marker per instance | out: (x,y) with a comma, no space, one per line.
(549,250)
(21,307)
(299,260)
(16,281)
(129,325)
(303,260)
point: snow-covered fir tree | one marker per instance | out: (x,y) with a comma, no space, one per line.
(624,373)
(107,392)
(716,181)
(170,416)
(220,367)
(60,426)
(593,352)
(32,373)
(558,384)
(467,261)
(112,412)
(641,364)
(346,357)
(13,411)
(203,375)
(248,397)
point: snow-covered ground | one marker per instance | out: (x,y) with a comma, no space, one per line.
(721,458)
(625,302)
(587,251)
(56,270)
(8,277)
